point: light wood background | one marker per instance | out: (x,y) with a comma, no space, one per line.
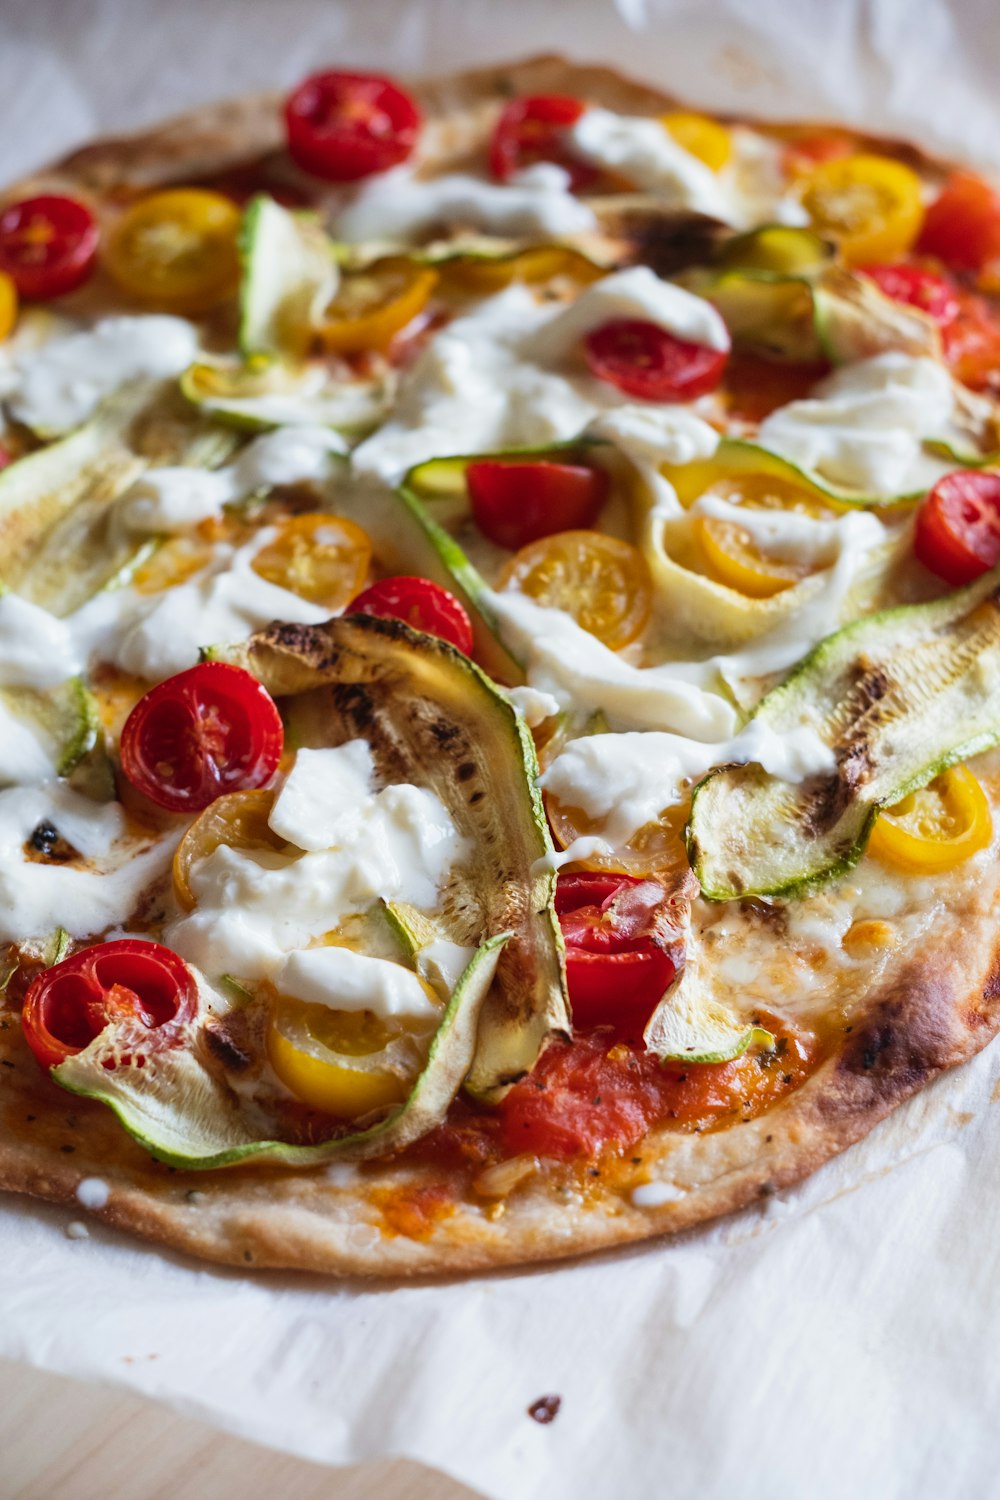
(62,1440)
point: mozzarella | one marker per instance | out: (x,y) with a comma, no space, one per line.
(36,649)
(23,757)
(345,980)
(624,781)
(510,373)
(256,906)
(320,804)
(36,898)
(58,386)
(865,427)
(174,498)
(397,205)
(644,151)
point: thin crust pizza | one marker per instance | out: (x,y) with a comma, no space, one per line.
(499,664)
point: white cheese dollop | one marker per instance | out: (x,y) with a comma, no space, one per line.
(865,426)
(36,648)
(156,635)
(255,907)
(172,499)
(345,980)
(60,385)
(321,801)
(511,373)
(397,205)
(23,757)
(624,781)
(36,898)
(643,150)
(636,293)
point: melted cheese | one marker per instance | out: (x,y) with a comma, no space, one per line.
(255,907)
(172,499)
(401,207)
(865,427)
(511,374)
(84,898)
(60,385)
(645,153)
(624,781)
(344,980)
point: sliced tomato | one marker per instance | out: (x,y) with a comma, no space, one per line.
(916,287)
(514,503)
(342,126)
(936,827)
(47,245)
(598,1094)
(645,361)
(615,970)
(972,344)
(962,225)
(531,130)
(209,730)
(806,147)
(420,603)
(603,582)
(177,250)
(67,1006)
(957,533)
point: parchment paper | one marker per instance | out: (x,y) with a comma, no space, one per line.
(841,1342)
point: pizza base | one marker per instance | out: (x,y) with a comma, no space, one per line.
(929,1013)
(931,1010)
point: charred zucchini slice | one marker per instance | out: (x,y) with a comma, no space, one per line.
(897,697)
(430,716)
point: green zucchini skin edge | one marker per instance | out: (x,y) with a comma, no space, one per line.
(706,804)
(388,1134)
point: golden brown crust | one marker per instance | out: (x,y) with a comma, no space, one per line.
(933,1010)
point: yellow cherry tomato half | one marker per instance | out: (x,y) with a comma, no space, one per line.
(870,204)
(345,1063)
(8,305)
(322,558)
(706,139)
(372,306)
(735,560)
(602,582)
(237,820)
(177,250)
(935,828)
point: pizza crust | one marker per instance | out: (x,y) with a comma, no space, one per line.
(929,1012)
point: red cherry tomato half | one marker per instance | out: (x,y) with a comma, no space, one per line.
(128,980)
(962,225)
(531,130)
(647,362)
(517,503)
(209,730)
(47,245)
(342,126)
(958,527)
(615,971)
(957,534)
(972,344)
(420,603)
(918,288)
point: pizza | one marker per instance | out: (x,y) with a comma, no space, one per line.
(499,664)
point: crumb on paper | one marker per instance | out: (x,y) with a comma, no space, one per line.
(77,1231)
(545,1409)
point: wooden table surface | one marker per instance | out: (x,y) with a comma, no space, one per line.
(62,1440)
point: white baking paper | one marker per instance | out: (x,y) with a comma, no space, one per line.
(844,1340)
